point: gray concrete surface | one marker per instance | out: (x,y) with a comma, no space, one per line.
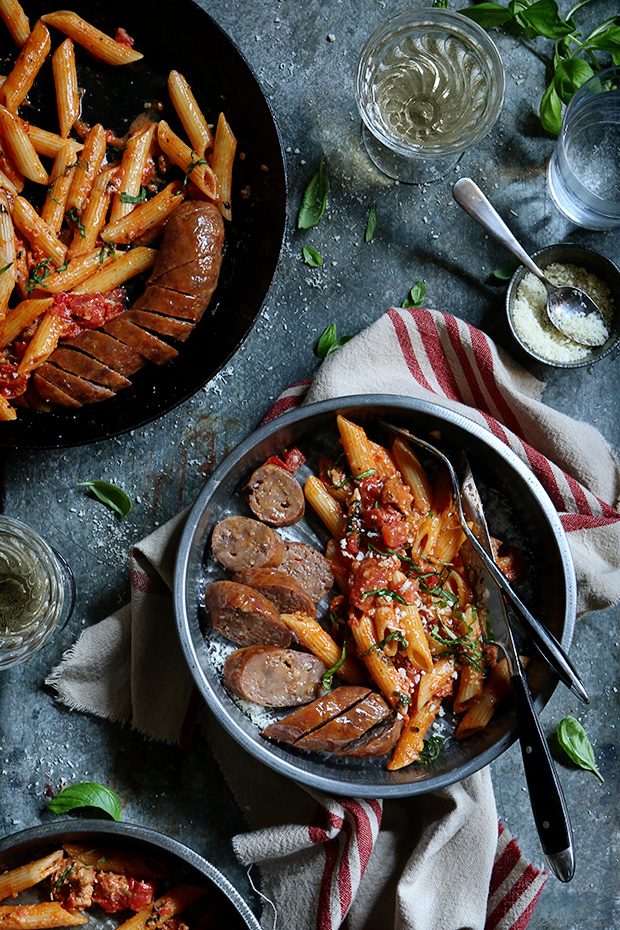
(304,55)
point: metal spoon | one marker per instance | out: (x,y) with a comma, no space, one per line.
(569,309)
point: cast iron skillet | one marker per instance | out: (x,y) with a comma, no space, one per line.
(171,35)
(185,865)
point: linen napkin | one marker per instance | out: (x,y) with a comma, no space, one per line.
(416,864)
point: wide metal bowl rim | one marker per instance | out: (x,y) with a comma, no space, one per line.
(145,834)
(285,766)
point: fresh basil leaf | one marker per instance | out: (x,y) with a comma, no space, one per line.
(314,200)
(74,216)
(113,497)
(506,271)
(542,18)
(128,198)
(86,794)
(371,225)
(329,342)
(441,4)
(488,15)
(569,76)
(416,295)
(326,680)
(573,740)
(551,110)
(312,257)
(606,36)
(39,273)
(152,779)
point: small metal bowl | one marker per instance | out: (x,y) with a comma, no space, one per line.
(568,254)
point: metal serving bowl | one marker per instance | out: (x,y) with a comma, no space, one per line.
(568,254)
(185,865)
(528,519)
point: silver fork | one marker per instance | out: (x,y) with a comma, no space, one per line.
(543,639)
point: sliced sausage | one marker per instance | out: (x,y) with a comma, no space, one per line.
(87,367)
(85,392)
(304,721)
(163,300)
(348,726)
(164,325)
(281,589)
(377,740)
(147,345)
(275,496)
(273,676)
(244,616)
(49,393)
(241,542)
(107,350)
(309,568)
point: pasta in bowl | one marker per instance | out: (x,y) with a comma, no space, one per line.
(403,595)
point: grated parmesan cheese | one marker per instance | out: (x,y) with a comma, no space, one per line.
(529,312)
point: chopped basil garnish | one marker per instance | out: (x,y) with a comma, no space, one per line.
(364,474)
(392,635)
(311,257)
(371,225)
(385,592)
(127,198)
(403,699)
(113,497)
(573,740)
(39,273)
(6,268)
(193,164)
(73,215)
(86,794)
(429,753)
(326,680)
(106,250)
(314,200)
(468,649)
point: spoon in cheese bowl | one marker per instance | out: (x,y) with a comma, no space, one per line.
(569,309)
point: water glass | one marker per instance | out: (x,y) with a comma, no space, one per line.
(429,85)
(584,172)
(37,591)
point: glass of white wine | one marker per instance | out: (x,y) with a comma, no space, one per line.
(429,85)
(37,591)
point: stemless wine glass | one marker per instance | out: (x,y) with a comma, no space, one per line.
(429,85)
(584,171)
(37,591)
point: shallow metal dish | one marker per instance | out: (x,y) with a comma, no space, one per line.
(512,491)
(604,269)
(182,37)
(184,863)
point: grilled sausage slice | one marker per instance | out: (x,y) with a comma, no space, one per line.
(377,740)
(89,368)
(241,542)
(310,568)
(157,323)
(304,721)
(275,497)
(273,676)
(147,345)
(82,391)
(244,616)
(348,726)
(107,350)
(158,299)
(281,589)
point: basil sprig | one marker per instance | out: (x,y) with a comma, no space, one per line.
(311,257)
(314,200)
(86,794)
(573,740)
(329,341)
(110,495)
(416,295)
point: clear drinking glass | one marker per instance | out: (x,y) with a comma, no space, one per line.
(429,85)
(37,591)
(584,172)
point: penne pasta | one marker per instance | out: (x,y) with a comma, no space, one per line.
(156,915)
(196,169)
(87,165)
(414,475)
(131,173)
(38,916)
(8,255)
(433,682)
(43,343)
(395,688)
(20,148)
(356,445)
(78,271)
(96,42)
(94,214)
(115,269)
(11,179)
(6,411)
(49,143)
(25,876)
(146,216)
(55,205)
(120,861)
(15,20)
(37,232)
(312,636)
(26,68)
(190,114)
(65,81)
(411,741)
(224,148)
(327,508)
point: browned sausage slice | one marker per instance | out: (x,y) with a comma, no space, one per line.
(281,589)
(377,741)
(138,339)
(107,350)
(241,542)
(273,676)
(348,726)
(275,496)
(244,616)
(50,393)
(309,568)
(304,721)
(78,363)
(164,325)
(83,391)
(163,300)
